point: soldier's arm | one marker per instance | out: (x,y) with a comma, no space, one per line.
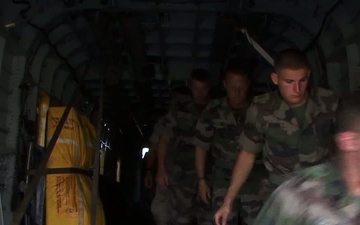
(154,141)
(161,153)
(150,161)
(251,141)
(203,137)
(166,133)
(200,161)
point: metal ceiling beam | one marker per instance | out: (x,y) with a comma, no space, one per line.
(235,6)
(168,7)
(276,37)
(135,42)
(223,37)
(196,35)
(161,36)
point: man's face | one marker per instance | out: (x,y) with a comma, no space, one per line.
(199,90)
(292,85)
(236,87)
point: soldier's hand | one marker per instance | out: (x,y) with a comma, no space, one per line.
(204,191)
(162,178)
(222,214)
(148,180)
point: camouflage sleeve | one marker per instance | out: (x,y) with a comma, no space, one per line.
(283,207)
(252,138)
(155,136)
(204,131)
(169,123)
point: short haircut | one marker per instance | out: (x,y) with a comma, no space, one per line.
(236,69)
(291,59)
(201,75)
(348,113)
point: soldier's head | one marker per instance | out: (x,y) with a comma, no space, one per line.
(199,85)
(347,139)
(236,83)
(291,75)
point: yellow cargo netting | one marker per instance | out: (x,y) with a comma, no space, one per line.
(68,196)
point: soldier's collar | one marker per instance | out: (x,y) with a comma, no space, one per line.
(311,95)
(225,103)
(313,106)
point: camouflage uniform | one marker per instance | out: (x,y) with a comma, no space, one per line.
(218,130)
(316,196)
(290,139)
(179,126)
(161,204)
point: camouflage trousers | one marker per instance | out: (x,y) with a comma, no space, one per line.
(218,195)
(182,199)
(251,201)
(204,212)
(247,204)
(185,203)
(161,206)
(182,190)
(251,205)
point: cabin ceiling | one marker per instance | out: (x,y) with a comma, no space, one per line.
(144,48)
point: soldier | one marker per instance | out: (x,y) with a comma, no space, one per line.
(218,129)
(179,125)
(291,126)
(161,204)
(328,193)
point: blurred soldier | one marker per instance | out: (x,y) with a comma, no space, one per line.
(328,193)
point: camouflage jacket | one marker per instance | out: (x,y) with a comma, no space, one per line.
(316,196)
(272,128)
(155,138)
(179,125)
(219,130)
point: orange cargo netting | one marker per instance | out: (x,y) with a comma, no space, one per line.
(68,195)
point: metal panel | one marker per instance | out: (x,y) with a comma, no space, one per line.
(2,46)
(77,59)
(60,32)
(337,79)
(68,47)
(48,72)
(69,88)
(35,71)
(18,71)
(58,84)
(353,58)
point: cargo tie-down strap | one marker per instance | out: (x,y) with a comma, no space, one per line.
(63,170)
(29,192)
(257,47)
